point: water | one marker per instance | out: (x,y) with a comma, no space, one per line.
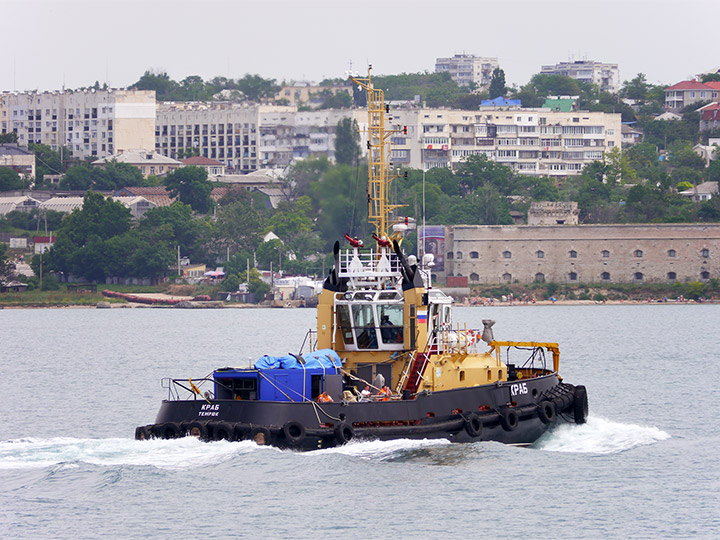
(76,382)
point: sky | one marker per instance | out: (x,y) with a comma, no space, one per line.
(48,44)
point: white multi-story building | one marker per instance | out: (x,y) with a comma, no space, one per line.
(606,76)
(91,123)
(467,68)
(539,142)
(224,131)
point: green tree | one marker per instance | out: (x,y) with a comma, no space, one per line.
(301,174)
(10,180)
(165,88)
(238,224)
(347,142)
(77,178)
(6,138)
(255,88)
(497,84)
(47,161)
(257,286)
(636,88)
(191,186)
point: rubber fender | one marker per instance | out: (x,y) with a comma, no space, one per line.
(143,433)
(240,431)
(509,418)
(170,430)
(580,405)
(260,435)
(223,431)
(546,412)
(473,425)
(294,432)
(198,430)
(344,433)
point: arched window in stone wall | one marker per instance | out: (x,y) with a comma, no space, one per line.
(638,253)
(450,255)
(605,276)
(573,254)
(506,277)
(671,253)
(638,276)
(474,277)
(474,255)
(507,254)
(540,254)
(704,274)
(573,276)
(672,276)
(705,253)
(605,253)
(458,255)
(540,277)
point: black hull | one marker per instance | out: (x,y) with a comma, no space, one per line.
(517,413)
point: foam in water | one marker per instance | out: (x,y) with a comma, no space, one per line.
(382,449)
(163,454)
(599,436)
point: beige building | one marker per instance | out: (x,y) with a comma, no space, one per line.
(553,213)
(148,162)
(539,142)
(91,123)
(657,253)
(467,68)
(19,159)
(605,76)
(137,205)
(223,131)
(309,94)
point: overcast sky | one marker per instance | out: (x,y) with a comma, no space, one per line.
(51,43)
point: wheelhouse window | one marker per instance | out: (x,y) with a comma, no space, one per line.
(364,323)
(391,323)
(345,324)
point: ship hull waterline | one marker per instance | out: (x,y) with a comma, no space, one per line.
(514,412)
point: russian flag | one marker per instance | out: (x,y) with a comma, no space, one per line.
(422,316)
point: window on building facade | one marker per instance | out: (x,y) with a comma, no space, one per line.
(605,276)
(474,277)
(507,254)
(705,274)
(450,255)
(572,276)
(638,253)
(638,276)
(507,278)
(540,254)
(573,254)
(671,253)
(671,276)
(540,277)
(474,255)
(705,253)
(605,253)
(458,255)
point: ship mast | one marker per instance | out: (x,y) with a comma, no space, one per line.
(379,178)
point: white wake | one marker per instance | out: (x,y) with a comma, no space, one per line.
(599,436)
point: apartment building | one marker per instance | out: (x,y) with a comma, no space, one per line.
(307,93)
(289,135)
(467,68)
(606,76)
(540,142)
(91,123)
(223,131)
(686,93)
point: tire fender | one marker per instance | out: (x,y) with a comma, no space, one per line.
(344,433)
(509,418)
(546,412)
(580,405)
(473,425)
(294,432)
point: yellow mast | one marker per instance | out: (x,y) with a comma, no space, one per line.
(378,171)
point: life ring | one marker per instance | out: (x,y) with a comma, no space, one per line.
(473,425)
(294,432)
(223,431)
(509,419)
(260,435)
(170,430)
(580,405)
(344,433)
(143,433)
(546,411)
(198,430)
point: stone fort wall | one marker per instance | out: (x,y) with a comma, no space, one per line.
(657,253)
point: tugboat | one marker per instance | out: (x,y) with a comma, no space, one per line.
(387,361)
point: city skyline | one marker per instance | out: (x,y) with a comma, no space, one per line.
(75,43)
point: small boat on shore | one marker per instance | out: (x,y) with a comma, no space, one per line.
(387,360)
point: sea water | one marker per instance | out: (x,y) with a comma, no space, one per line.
(76,382)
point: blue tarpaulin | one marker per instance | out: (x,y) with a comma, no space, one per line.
(324,358)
